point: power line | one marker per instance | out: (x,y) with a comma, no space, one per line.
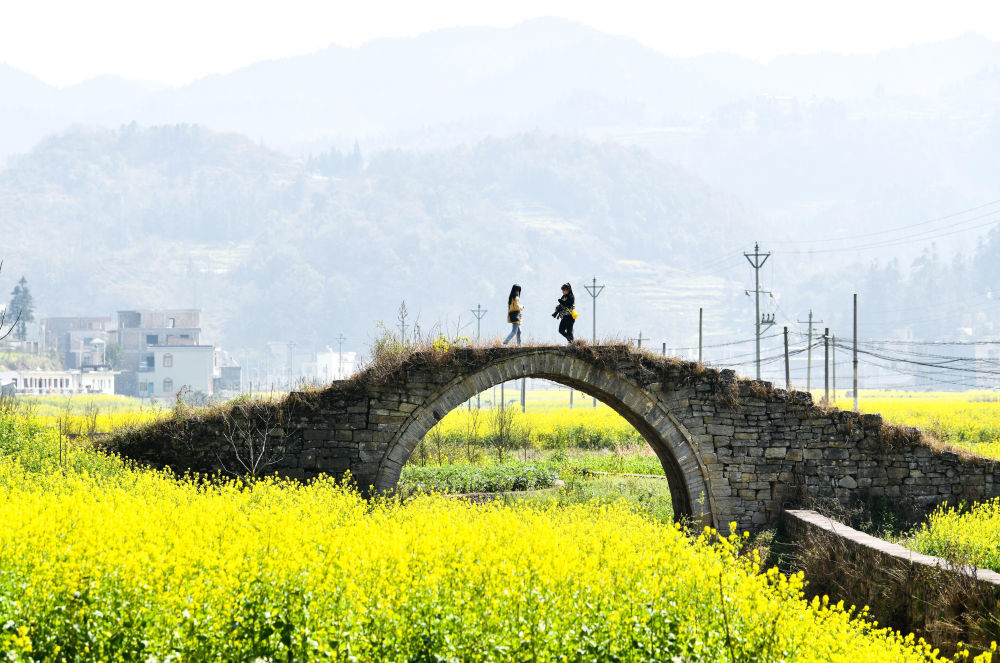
(943,366)
(910,240)
(894,342)
(722,345)
(916,373)
(892,230)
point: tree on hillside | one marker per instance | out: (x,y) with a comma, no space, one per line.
(4,321)
(22,304)
(333,162)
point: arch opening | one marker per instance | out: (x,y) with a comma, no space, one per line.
(642,408)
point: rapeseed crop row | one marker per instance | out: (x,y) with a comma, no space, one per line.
(970,420)
(87,414)
(517,475)
(100,561)
(966,419)
(964,534)
(551,428)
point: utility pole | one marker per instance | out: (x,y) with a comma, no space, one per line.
(594,291)
(809,349)
(855,352)
(401,315)
(524,384)
(638,340)
(664,348)
(757,261)
(479,312)
(833,365)
(699,334)
(826,366)
(788,373)
(340,355)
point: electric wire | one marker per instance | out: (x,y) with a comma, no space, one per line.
(892,230)
(923,236)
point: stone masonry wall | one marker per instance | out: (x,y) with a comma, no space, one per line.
(734,450)
(915,593)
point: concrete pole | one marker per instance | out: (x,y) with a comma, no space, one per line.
(699,333)
(855,352)
(826,366)
(788,373)
(833,365)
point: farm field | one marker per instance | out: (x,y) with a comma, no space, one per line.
(90,414)
(966,534)
(102,561)
(461,455)
(970,420)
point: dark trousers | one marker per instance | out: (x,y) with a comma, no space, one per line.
(566,327)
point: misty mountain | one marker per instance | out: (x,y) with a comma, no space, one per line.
(273,246)
(825,145)
(463,84)
(537,153)
(478,81)
(919,71)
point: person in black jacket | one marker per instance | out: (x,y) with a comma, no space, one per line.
(564,311)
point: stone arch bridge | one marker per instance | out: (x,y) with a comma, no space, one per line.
(731,449)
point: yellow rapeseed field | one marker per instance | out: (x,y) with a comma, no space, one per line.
(967,534)
(87,414)
(588,427)
(970,419)
(101,562)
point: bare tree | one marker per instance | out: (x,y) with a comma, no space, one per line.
(437,438)
(502,422)
(3,319)
(257,435)
(471,433)
(525,441)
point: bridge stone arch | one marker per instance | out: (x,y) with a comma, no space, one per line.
(644,410)
(734,450)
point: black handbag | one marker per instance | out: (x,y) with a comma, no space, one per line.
(513,316)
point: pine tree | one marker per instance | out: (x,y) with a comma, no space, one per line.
(22,306)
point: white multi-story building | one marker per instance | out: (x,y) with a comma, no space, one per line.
(79,341)
(332,365)
(40,383)
(171,368)
(162,353)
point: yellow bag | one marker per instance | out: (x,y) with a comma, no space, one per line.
(574,313)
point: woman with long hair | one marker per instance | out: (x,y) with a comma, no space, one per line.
(565,311)
(514,309)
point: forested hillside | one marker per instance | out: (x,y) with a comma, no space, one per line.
(278,247)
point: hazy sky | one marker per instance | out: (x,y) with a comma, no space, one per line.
(173,42)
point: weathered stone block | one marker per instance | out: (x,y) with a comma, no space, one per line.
(848,482)
(721,429)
